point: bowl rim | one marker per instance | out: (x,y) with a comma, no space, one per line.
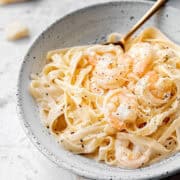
(26,127)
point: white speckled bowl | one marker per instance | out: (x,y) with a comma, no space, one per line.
(89,25)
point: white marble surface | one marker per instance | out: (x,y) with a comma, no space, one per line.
(19,159)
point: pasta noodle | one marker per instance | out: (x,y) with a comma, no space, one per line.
(118,107)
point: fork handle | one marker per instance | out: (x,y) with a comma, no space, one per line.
(150,12)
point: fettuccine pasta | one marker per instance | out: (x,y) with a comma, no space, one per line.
(114,106)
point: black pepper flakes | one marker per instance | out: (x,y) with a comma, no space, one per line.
(166,96)
(72,132)
(166,120)
(131,18)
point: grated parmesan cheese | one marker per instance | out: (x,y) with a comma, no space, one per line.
(16,31)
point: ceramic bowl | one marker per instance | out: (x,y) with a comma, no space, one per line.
(86,26)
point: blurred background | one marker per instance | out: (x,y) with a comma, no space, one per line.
(19,159)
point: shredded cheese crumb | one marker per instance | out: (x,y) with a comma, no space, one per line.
(16,30)
(10,1)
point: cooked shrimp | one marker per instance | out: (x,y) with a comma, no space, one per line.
(142,55)
(160,87)
(111,72)
(94,53)
(157,90)
(130,157)
(120,109)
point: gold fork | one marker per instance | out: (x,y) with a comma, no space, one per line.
(149,13)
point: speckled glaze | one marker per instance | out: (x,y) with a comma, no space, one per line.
(86,26)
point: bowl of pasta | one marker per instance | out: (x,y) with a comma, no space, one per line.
(97,110)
